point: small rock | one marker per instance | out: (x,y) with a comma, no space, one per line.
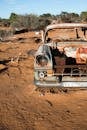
(2,67)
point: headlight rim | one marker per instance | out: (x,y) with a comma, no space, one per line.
(42,60)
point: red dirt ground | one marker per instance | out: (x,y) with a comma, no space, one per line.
(23,108)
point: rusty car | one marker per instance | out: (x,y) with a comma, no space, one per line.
(61,59)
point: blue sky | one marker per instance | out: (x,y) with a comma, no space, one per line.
(41,6)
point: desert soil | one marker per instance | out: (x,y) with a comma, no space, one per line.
(23,108)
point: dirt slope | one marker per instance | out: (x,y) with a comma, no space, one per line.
(23,108)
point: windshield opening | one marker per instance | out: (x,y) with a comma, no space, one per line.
(70,34)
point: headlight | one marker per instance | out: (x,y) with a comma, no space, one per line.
(42,60)
(42,74)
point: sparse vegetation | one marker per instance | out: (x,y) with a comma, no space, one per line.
(66,17)
(35,22)
(83,16)
(4,34)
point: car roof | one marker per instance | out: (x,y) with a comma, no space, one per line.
(66,26)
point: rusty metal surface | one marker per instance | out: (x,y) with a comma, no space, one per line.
(81,55)
(66,25)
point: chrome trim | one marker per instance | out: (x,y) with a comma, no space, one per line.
(61,84)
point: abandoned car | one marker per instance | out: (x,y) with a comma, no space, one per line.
(61,61)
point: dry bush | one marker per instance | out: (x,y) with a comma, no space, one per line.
(4,34)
